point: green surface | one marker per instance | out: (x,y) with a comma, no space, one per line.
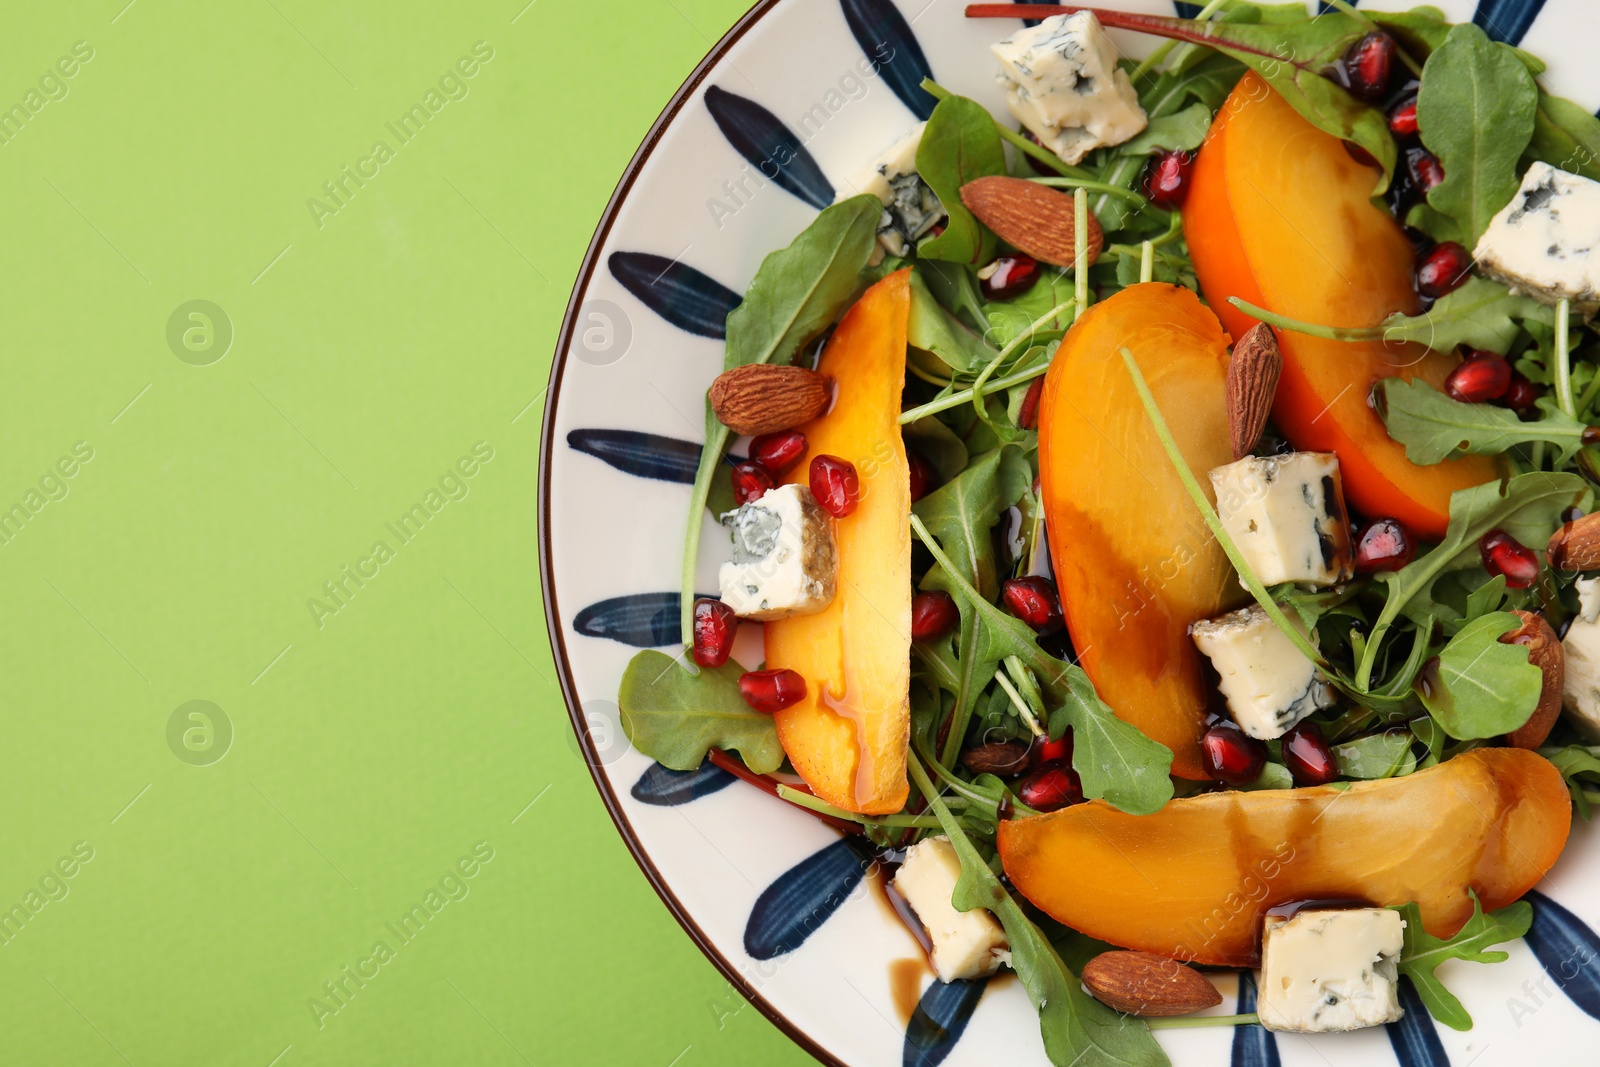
(375,746)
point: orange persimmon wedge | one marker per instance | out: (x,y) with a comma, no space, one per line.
(848,737)
(1134,562)
(1193,880)
(1279,215)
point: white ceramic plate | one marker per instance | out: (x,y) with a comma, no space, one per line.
(784,908)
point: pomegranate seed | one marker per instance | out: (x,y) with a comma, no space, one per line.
(1166,179)
(933,615)
(1403,119)
(1384,545)
(770,691)
(1484,378)
(1426,170)
(1522,396)
(1051,788)
(1059,751)
(1033,600)
(924,479)
(714,627)
(835,484)
(1368,65)
(1008,277)
(1307,755)
(1443,270)
(778,451)
(750,481)
(1229,756)
(1028,416)
(1504,554)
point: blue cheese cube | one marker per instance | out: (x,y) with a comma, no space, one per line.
(784,561)
(1288,517)
(1062,82)
(910,208)
(1324,971)
(1544,242)
(1580,655)
(963,944)
(1268,682)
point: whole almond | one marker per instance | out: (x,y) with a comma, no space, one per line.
(760,398)
(1004,758)
(1039,220)
(1544,652)
(1253,374)
(1141,983)
(1576,546)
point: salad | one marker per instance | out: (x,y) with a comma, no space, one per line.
(1158,518)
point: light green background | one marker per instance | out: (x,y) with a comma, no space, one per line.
(370,353)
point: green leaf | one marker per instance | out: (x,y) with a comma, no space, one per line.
(676,717)
(1273,776)
(1566,136)
(1527,506)
(1480,314)
(1580,766)
(939,445)
(1116,762)
(1480,687)
(1475,111)
(796,294)
(1435,428)
(959,145)
(1419,31)
(1423,953)
(1184,130)
(936,332)
(1385,755)
(1078,1030)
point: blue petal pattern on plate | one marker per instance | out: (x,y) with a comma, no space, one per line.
(1507,20)
(1414,1037)
(940,1020)
(758,135)
(1185,11)
(886,38)
(667,788)
(1253,1046)
(680,294)
(648,455)
(1568,949)
(643,620)
(804,897)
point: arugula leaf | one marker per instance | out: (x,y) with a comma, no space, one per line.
(676,717)
(1566,136)
(1480,314)
(1475,111)
(1419,31)
(1116,762)
(1480,687)
(1272,776)
(959,145)
(796,294)
(1385,755)
(1580,766)
(1078,1030)
(937,332)
(1184,130)
(1435,428)
(1423,953)
(939,445)
(963,511)
(1527,506)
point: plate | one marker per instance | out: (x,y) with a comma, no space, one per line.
(792,102)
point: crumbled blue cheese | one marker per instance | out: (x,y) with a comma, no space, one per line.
(1546,242)
(965,944)
(784,561)
(1580,655)
(1268,682)
(1062,82)
(1324,971)
(910,208)
(1288,517)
